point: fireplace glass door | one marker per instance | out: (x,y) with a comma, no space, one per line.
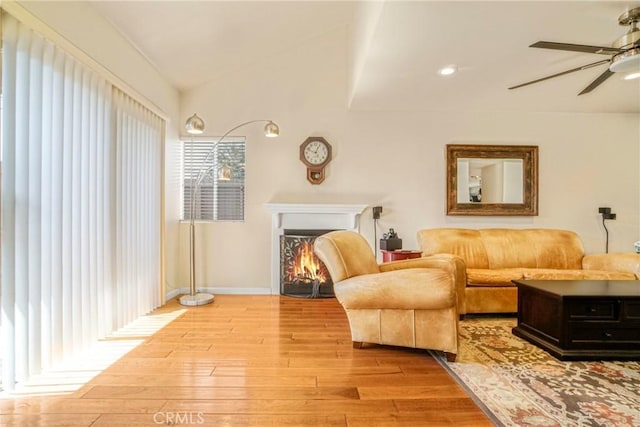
(302,274)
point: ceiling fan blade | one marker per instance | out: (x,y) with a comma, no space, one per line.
(577,48)
(597,82)
(584,67)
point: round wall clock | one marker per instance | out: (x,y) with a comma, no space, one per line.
(315,153)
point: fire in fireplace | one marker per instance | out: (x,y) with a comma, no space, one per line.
(302,274)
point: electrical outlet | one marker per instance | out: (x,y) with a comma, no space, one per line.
(377,210)
(606,213)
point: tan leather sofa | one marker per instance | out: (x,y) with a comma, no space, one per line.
(489,259)
(409,303)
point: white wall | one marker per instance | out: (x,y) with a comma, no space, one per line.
(397,160)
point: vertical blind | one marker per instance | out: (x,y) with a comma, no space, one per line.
(81,185)
(215,199)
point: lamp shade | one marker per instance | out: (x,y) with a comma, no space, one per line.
(194,125)
(225,173)
(271,129)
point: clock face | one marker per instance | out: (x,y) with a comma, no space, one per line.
(316,152)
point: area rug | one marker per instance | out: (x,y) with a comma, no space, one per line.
(518,384)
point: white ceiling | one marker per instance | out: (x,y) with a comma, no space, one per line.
(193,42)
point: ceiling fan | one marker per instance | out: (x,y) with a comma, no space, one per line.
(624,55)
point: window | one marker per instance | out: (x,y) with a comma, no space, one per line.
(217,198)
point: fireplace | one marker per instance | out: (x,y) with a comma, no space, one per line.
(298,219)
(302,274)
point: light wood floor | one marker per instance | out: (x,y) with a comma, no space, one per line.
(258,361)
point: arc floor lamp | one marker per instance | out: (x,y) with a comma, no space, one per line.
(195,126)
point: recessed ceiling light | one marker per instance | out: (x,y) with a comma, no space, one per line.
(448,70)
(632,76)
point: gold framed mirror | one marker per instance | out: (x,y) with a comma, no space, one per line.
(492,180)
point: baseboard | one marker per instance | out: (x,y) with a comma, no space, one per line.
(222,291)
(172,294)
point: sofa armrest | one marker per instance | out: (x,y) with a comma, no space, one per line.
(451,263)
(625,262)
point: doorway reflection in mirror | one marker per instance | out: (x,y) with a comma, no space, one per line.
(490,180)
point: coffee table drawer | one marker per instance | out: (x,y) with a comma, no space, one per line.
(592,310)
(632,311)
(603,335)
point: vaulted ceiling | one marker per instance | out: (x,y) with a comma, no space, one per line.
(395,48)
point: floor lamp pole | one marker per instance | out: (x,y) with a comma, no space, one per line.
(194,297)
(192,257)
(195,125)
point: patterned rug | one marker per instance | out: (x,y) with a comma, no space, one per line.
(518,384)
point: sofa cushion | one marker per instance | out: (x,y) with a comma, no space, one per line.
(506,248)
(497,277)
(504,276)
(461,242)
(552,274)
(533,248)
(613,261)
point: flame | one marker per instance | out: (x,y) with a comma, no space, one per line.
(307,265)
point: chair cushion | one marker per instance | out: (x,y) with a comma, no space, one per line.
(414,288)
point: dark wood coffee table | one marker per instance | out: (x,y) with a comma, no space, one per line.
(581,319)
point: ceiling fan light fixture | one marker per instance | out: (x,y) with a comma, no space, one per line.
(625,62)
(448,70)
(632,76)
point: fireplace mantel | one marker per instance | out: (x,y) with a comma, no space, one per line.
(327,216)
(351,212)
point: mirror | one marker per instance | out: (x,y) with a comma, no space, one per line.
(492,180)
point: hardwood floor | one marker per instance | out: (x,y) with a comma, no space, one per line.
(258,361)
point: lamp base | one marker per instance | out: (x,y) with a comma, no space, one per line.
(197,299)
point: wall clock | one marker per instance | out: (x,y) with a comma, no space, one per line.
(315,153)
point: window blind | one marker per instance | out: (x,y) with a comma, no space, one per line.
(216,199)
(80,206)
(136,215)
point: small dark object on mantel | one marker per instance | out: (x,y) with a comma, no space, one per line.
(390,241)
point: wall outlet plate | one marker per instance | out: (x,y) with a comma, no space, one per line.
(377,210)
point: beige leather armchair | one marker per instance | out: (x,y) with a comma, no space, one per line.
(409,303)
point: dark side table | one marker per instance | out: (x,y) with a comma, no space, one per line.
(399,255)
